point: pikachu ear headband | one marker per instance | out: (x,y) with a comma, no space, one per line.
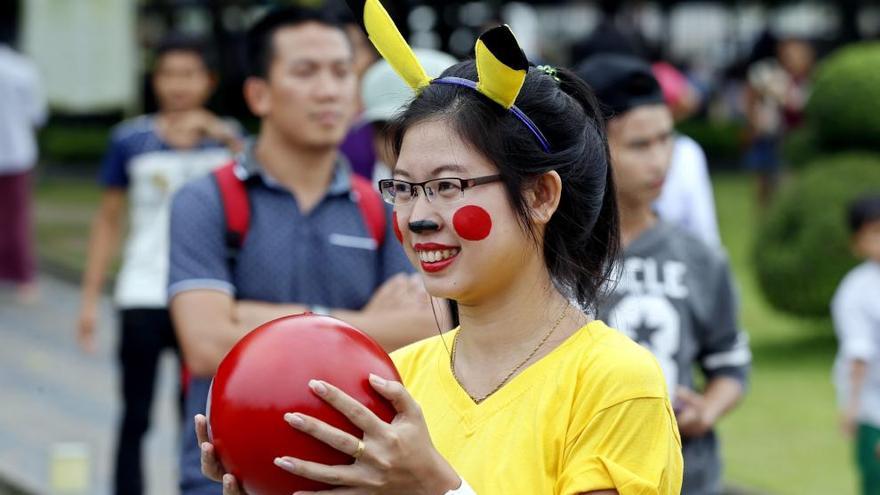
(501,64)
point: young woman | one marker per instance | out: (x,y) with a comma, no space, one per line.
(510,211)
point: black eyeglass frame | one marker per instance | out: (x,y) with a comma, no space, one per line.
(463,185)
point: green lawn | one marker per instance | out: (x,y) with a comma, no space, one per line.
(783,439)
(64,210)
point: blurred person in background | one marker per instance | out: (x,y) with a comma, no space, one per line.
(856,317)
(358,143)
(22,110)
(148,158)
(309,246)
(687,199)
(675,295)
(614,33)
(384,94)
(776,93)
(797,57)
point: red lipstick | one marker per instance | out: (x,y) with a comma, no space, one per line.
(431,246)
(434,257)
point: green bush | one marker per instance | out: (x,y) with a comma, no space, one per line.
(68,143)
(802,247)
(801,147)
(844,108)
(720,140)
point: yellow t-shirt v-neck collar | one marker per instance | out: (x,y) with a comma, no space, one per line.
(473,414)
(592,414)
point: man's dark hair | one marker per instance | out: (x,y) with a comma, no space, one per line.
(9,19)
(865,209)
(620,82)
(260,35)
(176,42)
(581,241)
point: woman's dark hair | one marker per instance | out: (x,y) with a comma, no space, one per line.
(581,241)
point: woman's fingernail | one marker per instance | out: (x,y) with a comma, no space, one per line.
(205,446)
(318,387)
(294,419)
(283,463)
(378,380)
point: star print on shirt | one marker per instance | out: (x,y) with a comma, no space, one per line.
(644,333)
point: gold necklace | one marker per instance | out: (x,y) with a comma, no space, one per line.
(478,400)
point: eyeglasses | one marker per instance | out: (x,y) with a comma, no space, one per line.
(446,190)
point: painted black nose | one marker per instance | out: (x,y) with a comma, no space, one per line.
(423,226)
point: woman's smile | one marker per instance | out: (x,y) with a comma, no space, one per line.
(434,257)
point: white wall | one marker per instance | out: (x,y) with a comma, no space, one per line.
(86,51)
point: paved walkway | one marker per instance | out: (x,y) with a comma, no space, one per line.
(51,394)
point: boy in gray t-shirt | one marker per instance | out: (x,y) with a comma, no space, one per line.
(856,315)
(675,297)
(675,294)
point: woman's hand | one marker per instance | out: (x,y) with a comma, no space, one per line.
(395,458)
(211,466)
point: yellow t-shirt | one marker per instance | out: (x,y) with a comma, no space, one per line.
(592,414)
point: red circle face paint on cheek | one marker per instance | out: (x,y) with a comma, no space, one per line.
(397,232)
(472,223)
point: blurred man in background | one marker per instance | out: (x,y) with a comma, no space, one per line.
(687,199)
(675,294)
(308,245)
(148,159)
(22,110)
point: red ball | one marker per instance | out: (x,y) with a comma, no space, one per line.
(266,374)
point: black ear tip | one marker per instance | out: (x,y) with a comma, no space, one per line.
(502,43)
(498,36)
(501,31)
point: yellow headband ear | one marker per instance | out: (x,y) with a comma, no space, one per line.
(501,65)
(389,42)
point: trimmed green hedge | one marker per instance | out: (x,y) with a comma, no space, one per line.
(844,107)
(802,248)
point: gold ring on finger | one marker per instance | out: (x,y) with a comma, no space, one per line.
(360,449)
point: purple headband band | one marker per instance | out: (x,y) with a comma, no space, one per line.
(460,81)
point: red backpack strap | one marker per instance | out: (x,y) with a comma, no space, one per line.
(236,207)
(371,206)
(237,212)
(185,377)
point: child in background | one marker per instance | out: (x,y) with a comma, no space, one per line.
(149,157)
(856,314)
